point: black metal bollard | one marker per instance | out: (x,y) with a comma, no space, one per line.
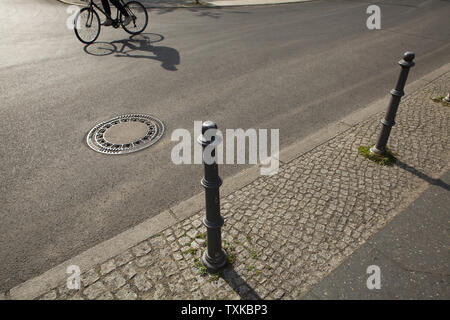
(389,120)
(215,257)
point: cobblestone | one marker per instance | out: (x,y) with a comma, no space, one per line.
(126,293)
(142,283)
(114,280)
(123,258)
(106,296)
(141,249)
(129,270)
(52,295)
(89,277)
(107,267)
(145,261)
(94,290)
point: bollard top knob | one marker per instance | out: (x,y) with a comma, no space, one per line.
(409,56)
(208,125)
(407,61)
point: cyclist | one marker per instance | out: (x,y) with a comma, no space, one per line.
(120,7)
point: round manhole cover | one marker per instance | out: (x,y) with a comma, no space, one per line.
(125,134)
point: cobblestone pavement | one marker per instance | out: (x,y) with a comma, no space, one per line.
(285,232)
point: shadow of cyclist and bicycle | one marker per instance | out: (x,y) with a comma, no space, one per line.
(138,46)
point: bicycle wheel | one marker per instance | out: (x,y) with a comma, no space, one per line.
(87,25)
(139,15)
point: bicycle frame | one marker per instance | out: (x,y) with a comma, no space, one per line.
(115,21)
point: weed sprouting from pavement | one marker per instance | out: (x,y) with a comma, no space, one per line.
(192,251)
(203,270)
(440,99)
(388,158)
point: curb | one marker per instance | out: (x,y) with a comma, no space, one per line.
(108,249)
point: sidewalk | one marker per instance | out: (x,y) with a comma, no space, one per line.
(285,233)
(412,253)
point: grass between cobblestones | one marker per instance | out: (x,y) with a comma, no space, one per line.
(440,99)
(230,249)
(388,158)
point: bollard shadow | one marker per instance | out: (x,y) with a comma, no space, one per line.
(138,47)
(423,176)
(239,285)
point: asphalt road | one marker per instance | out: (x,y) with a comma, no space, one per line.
(296,67)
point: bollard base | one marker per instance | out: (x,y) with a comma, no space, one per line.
(385,158)
(215,264)
(375,150)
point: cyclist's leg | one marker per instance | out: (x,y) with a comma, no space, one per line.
(107,8)
(120,7)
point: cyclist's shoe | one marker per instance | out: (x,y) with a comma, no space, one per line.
(127,21)
(108,22)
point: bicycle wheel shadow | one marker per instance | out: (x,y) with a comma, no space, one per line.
(138,46)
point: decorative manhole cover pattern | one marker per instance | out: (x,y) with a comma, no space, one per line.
(125,134)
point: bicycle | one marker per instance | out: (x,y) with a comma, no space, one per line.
(87,21)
